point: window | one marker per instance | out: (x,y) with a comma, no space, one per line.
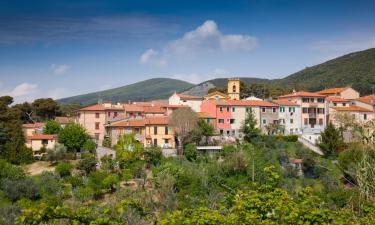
(166,130)
(97,126)
(282,109)
(155,130)
(320,110)
(343,104)
(321,100)
(166,141)
(233,132)
(155,142)
(228,108)
(305,100)
(221,132)
(233,109)
(311,99)
(97,137)
(44,142)
(97,115)
(334,104)
(115,114)
(221,120)
(231,121)
(228,132)
(304,110)
(263,109)
(292,109)
(291,121)
(306,121)
(320,121)
(234,89)
(364,116)
(184,101)
(221,109)
(264,121)
(274,110)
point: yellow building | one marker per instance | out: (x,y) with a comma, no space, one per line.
(234,88)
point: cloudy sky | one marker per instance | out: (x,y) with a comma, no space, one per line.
(67,47)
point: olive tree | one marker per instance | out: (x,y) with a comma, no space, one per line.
(184,121)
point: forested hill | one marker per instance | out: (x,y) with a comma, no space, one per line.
(355,69)
(157,88)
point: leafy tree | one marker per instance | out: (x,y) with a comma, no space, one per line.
(127,148)
(59,153)
(89,145)
(73,136)
(249,127)
(101,182)
(205,129)
(331,141)
(190,152)
(46,108)
(106,142)
(87,164)
(15,189)
(64,169)
(52,127)
(153,155)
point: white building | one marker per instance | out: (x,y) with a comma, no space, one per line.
(194,102)
(289,116)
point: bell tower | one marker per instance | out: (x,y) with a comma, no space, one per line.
(234,88)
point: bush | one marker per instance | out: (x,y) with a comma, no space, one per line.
(106,142)
(190,152)
(153,155)
(52,127)
(89,145)
(289,138)
(50,187)
(74,181)
(58,154)
(9,171)
(88,164)
(73,136)
(20,188)
(64,169)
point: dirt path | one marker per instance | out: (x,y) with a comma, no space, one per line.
(38,167)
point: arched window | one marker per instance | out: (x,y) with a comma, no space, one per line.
(234,88)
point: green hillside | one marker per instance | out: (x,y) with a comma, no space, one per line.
(151,89)
(355,69)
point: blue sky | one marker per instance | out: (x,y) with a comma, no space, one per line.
(60,48)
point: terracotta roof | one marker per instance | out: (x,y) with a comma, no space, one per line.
(33,125)
(128,123)
(330,91)
(204,115)
(302,94)
(101,107)
(285,102)
(133,108)
(156,120)
(368,99)
(64,119)
(153,109)
(177,106)
(42,137)
(182,96)
(151,103)
(352,108)
(246,103)
(336,99)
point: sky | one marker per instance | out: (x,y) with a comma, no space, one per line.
(61,48)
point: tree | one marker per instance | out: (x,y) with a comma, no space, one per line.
(153,155)
(52,127)
(59,153)
(89,145)
(205,129)
(46,108)
(64,169)
(87,164)
(331,141)
(73,136)
(106,142)
(190,152)
(183,120)
(249,127)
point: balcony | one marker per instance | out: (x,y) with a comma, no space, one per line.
(312,115)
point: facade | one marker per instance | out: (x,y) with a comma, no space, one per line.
(234,88)
(216,95)
(343,92)
(313,110)
(31,129)
(359,114)
(63,120)
(367,102)
(289,116)
(38,142)
(95,117)
(194,102)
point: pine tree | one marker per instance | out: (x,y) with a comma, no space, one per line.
(331,141)
(249,127)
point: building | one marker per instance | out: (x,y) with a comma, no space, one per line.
(31,129)
(342,92)
(230,114)
(367,102)
(40,141)
(208,118)
(64,120)
(94,118)
(194,102)
(289,116)
(359,114)
(234,88)
(148,131)
(216,95)
(313,110)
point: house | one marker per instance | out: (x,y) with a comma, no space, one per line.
(148,131)
(367,102)
(333,101)
(94,118)
(289,116)
(208,118)
(41,141)
(194,102)
(31,129)
(342,92)
(216,95)
(313,107)
(63,120)
(360,114)
(230,114)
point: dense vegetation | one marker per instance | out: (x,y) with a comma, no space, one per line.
(152,89)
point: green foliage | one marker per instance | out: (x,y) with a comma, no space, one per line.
(331,141)
(205,129)
(15,189)
(101,182)
(107,142)
(89,145)
(73,136)
(87,164)
(59,153)
(52,127)
(153,155)
(249,127)
(190,152)
(46,108)
(127,148)
(64,169)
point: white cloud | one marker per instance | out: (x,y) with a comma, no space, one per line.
(206,37)
(22,90)
(60,69)
(56,93)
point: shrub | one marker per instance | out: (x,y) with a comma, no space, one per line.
(58,154)
(190,152)
(88,164)
(74,181)
(52,127)
(89,145)
(64,169)
(20,188)
(153,155)
(106,142)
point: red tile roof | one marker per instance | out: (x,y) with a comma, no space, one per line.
(187,97)
(33,125)
(133,108)
(352,108)
(245,103)
(156,120)
(336,99)
(301,94)
(368,99)
(101,107)
(128,123)
(43,137)
(154,109)
(331,91)
(204,115)
(285,102)
(64,119)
